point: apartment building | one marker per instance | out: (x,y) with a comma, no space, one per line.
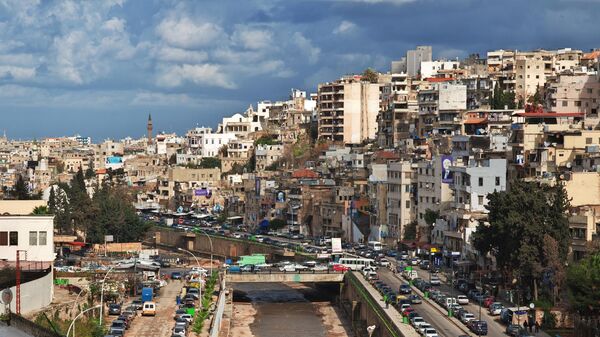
(433,68)
(431,194)
(181,183)
(441,108)
(397,122)
(400,204)
(267,155)
(575,92)
(347,110)
(474,181)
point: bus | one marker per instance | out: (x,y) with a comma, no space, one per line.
(375,245)
(356,263)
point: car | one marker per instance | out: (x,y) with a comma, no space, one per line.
(405,289)
(478,327)
(182,322)
(176,275)
(118,326)
(495,308)
(179,331)
(462,299)
(416,321)
(435,281)
(178,313)
(415,299)
(423,327)
(340,267)
(404,307)
(466,316)
(514,330)
(488,301)
(430,332)
(408,311)
(114,309)
(384,263)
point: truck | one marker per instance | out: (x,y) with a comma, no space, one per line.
(147,294)
(234,269)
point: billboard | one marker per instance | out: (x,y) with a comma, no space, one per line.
(447,175)
(203,192)
(336,245)
(280,196)
(257,186)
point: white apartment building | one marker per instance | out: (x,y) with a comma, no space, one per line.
(399,197)
(431,68)
(347,110)
(473,182)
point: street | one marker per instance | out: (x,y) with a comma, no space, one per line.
(162,324)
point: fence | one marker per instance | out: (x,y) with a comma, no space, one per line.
(215,327)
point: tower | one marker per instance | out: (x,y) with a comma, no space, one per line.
(149,129)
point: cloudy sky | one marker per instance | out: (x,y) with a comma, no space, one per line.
(99,67)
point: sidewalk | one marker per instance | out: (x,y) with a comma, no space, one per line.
(392,312)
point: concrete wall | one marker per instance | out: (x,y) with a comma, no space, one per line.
(20,207)
(34,295)
(285,277)
(223,247)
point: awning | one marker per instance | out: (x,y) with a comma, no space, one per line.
(476,121)
(79,244)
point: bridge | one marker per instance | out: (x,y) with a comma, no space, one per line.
(286,277)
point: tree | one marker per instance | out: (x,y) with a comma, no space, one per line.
(276,224)
(265,140)
(410,231)
(501,99)
(537,97)
(210,162)
(173,159)
(90,173)
(519,221)
(40,210)
(430,217)
(583,284)
(52,201)
(370,75)
(20,191)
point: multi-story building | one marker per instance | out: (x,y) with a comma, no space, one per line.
(267,155)
(431,68)
(347,110)
(575,92)
(400,204)
(441,108)
(432,194)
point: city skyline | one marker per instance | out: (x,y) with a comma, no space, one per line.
(99,68)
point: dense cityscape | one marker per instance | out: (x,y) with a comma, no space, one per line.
(433,197)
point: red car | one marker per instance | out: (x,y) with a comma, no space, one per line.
(407,311)
(340,267)
(488,301)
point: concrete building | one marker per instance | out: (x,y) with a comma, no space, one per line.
(473,182)
(397,122)
(432,68)
(266,155)
(347,110)
(414,59)
(400,204)
(574,92)
(441,108)
(432,194)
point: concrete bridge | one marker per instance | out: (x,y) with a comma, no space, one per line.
(286,277)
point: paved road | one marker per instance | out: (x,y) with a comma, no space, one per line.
(444,327)
(495,329)
(162,324)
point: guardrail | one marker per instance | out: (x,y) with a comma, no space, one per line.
(215,326)
(383,317)
(276,271)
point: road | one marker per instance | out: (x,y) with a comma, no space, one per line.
(444,327)
(495,328)
(162,324)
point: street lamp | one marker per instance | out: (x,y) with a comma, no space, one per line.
(74,304)
(197,263)
(102,293)
(72,326)
(211,248)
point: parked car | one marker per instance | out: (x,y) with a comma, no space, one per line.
(430,332)
(478,327)
(176,275)
(416,321)
(462,299)
(405,289)
(514,330)
(114,309)
(466,316)
(340,267)
(415,299)
(435,281)
(495,308)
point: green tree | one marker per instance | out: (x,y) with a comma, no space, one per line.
(210,162)
(583,284)
(370,75)
(519,220)
(537,97)
(52,201)
(410,231)
(265,140)
(90,173)
(20,191)
(40,210)
(430,217)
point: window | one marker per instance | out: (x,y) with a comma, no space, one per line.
(33,238)
(42,241)
(480,199)
(588,140)
(565,103)
(407,203)
(497,181)
(480,181)
(13,238)
(577,103)
(3,238)
(589,90)
(407,188)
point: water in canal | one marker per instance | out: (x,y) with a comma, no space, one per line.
(284,310)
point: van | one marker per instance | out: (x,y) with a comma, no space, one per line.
(449,302)
(149,309)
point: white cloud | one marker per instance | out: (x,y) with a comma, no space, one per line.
(251,38)
(185,33)
(305,45)
(171,54)
(344,27)
(17,73)
(157,98)
(201,74)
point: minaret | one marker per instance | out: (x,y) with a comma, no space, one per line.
(149,129)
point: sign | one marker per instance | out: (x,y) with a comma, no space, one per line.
(257,186)
(336,245)
(108,238)
(447,175)
(433,250)
(7,296)
(280,197)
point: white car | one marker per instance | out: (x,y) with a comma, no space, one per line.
(288,267)
(430,332)
(422,327)
(435,281)
(319,267)
(465,317)
(416,321)
(384,263)
(462,299)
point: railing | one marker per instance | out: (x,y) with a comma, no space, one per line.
(215,326)
(386,321)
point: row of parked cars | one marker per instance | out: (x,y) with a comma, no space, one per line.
(125,317)
(183,315)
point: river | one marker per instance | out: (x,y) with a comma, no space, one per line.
(290,310)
